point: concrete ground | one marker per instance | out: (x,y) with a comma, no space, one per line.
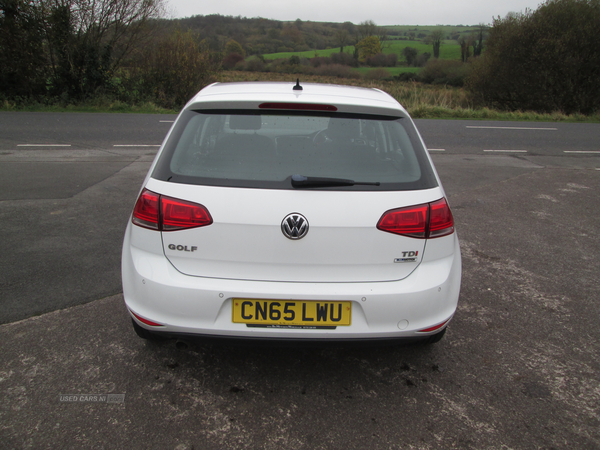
(518,368)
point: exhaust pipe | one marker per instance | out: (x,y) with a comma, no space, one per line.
(181,344)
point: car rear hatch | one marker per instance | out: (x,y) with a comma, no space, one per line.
(253,168)
(246,240)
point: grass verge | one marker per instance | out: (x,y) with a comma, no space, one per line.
(95,106)
(422,101)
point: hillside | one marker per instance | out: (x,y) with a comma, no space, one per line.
(259,36)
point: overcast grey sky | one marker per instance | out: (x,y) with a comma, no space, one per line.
(382,12)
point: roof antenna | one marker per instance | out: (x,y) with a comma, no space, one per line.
(297,87)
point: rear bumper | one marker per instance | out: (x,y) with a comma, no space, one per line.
(303,342)
(188,306)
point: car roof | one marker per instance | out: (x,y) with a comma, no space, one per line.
(249,95)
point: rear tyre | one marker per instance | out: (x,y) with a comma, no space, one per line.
(145,334)
(433,338)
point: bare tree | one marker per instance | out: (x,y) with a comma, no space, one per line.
(366,29)
(117,23)
(341,37)
(435,38)
(88,39)
(369,28)
(176,69)
(478,40)
(22,58)
(465,47)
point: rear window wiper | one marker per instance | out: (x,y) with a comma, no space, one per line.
(300,181)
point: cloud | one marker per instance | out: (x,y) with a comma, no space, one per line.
(382,12)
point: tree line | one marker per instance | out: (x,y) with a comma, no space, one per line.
(64,51)
(75,50)
(544,60)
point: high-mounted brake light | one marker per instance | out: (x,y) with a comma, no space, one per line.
(298,106)
(162,213)
(426,221)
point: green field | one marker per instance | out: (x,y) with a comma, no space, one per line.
(427,29)
(309,53)
(448,50)
(392,70)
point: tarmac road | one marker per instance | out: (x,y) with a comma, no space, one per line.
(518,367)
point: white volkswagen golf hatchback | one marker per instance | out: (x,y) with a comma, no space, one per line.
(275,211)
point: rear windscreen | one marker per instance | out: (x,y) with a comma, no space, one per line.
(265,150)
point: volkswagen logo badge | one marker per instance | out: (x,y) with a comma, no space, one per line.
(294,226)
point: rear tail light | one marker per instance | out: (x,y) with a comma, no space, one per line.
(426,221)
(145,212)
(441,222)
(179,214)
(162,213)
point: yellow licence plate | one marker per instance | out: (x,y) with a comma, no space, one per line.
(288,313)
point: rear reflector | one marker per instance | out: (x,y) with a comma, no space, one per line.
(298,106)
(146,321)
(437,327)
(162,213)
(426,221)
